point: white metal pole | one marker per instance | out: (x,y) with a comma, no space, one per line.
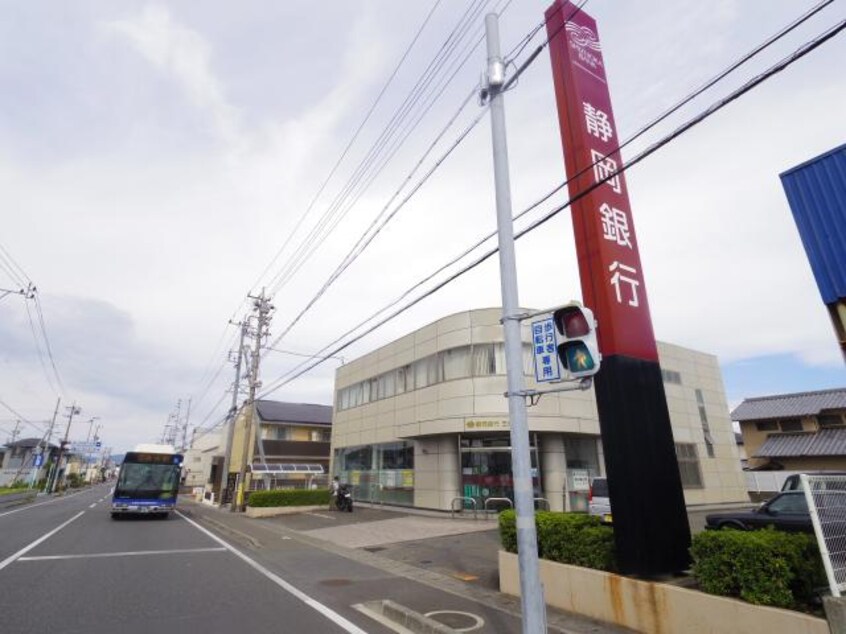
(531,592)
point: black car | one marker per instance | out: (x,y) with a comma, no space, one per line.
(787,511)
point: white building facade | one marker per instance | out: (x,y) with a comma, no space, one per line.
(423,422)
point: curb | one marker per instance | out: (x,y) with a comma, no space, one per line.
(406,618)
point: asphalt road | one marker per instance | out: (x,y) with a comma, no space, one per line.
(66,566)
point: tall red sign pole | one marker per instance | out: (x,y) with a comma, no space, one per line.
(650,520)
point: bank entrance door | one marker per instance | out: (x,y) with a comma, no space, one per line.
(486,468)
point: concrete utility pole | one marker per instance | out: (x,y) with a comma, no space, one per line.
(88,440)
(262,308)
(531,591)
(16,431)
(185,426)
(47,446)
(233,412)
(73,410)
(44,447)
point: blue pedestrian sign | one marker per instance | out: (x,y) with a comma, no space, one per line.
(545,351)
(39,460)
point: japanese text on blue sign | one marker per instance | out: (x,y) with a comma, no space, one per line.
(545,351)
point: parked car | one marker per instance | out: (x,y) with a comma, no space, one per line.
(599,503)
(787,511)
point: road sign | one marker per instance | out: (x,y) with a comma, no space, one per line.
(545,350)
(39,460)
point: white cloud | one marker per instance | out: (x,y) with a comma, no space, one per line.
(186,56)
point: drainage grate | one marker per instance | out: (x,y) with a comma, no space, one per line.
(374,549)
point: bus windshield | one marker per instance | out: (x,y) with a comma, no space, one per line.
(148,481)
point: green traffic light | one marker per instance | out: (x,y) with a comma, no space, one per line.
(577,357)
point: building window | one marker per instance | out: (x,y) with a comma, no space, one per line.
(829,420)
(691,475)
(671,376)
(790,424)
(379,473)
(706,428)
(766,425)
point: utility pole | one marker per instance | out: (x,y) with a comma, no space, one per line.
(531,591)
(233,412)
(185,426)
(16,431)
(73,410)
(47,445)
(263,308)
(87,440)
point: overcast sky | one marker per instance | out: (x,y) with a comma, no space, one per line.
(154,158)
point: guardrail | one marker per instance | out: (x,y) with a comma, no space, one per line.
(462,499)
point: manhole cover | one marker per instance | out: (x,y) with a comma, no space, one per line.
(336,582)
(459,621)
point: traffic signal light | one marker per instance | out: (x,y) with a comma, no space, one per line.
(578,351)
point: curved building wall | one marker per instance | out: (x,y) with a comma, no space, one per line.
(439,393)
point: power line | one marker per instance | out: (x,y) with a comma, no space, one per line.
(715,107)
(19,416)
(354,252)
(366,239)
(334,212)
(47,340)
(293,264)
(37,343)
(350,142)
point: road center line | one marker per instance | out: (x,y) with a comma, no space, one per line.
(129,553)
(326,611)
(44,537)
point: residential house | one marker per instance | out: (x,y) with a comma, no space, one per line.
(294,449)
(21,460)
(805,431)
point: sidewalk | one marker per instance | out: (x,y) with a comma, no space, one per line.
(458,556)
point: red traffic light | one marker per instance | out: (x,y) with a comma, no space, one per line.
(571,322)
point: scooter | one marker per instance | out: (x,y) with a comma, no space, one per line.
(344,500)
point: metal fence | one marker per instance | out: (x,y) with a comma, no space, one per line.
(826,498)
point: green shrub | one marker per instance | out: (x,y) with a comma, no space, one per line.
(569,538)
(289,497)
(765,567)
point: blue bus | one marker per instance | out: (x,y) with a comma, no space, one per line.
(147,483)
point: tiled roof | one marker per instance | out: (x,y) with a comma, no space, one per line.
(25,443)
(790,405)
(275,411)
(827,442)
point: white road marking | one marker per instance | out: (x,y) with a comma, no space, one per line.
(326,611)
(326,517)
(91,506)
(26,549)
(128,553)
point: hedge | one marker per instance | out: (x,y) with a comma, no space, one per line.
(568,538)
(289,497)
(765,567)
